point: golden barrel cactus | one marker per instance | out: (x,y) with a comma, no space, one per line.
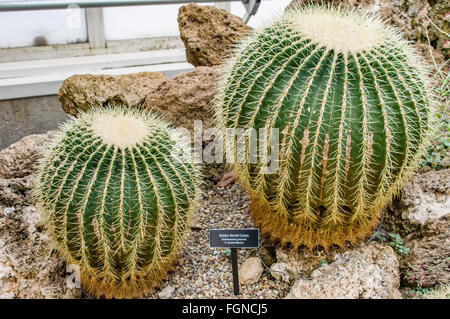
(352,103)
(117,194)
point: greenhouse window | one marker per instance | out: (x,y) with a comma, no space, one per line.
(97,37)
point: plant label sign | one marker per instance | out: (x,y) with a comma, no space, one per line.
(234,238)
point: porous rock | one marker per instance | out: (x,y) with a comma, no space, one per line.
(29,266)
(209,34)
(427,197)
(20,159)
(423,204)
(428,262)
(185,98)
(370,272)
(16,191)
(83,91)
(422,217)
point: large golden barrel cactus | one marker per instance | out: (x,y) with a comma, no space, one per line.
(117,194)
(352,103)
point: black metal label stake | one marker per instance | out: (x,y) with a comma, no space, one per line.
(234,239)
(234,267)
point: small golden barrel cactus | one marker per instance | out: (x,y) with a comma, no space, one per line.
(351,101)
(117,194)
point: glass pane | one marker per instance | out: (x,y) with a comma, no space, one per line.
(268,10)
(46,27)
(141,21)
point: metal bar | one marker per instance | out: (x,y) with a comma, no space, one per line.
(251,6)
(223,5)
(95,28)
(63,4)
(235,269)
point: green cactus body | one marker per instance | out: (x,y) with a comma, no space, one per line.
(117,196)
(351,101)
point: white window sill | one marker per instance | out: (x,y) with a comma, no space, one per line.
(44,77)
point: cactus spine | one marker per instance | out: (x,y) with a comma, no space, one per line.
(351,101)
(117,197)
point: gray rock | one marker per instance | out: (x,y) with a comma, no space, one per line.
(422,217)
(167,292)
(426,198)
(28,268)
(371,272)
(428,262)
(20,159)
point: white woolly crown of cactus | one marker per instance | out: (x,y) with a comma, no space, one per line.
(117,195)
(352,102)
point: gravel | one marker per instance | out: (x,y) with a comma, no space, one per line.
(202,272)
